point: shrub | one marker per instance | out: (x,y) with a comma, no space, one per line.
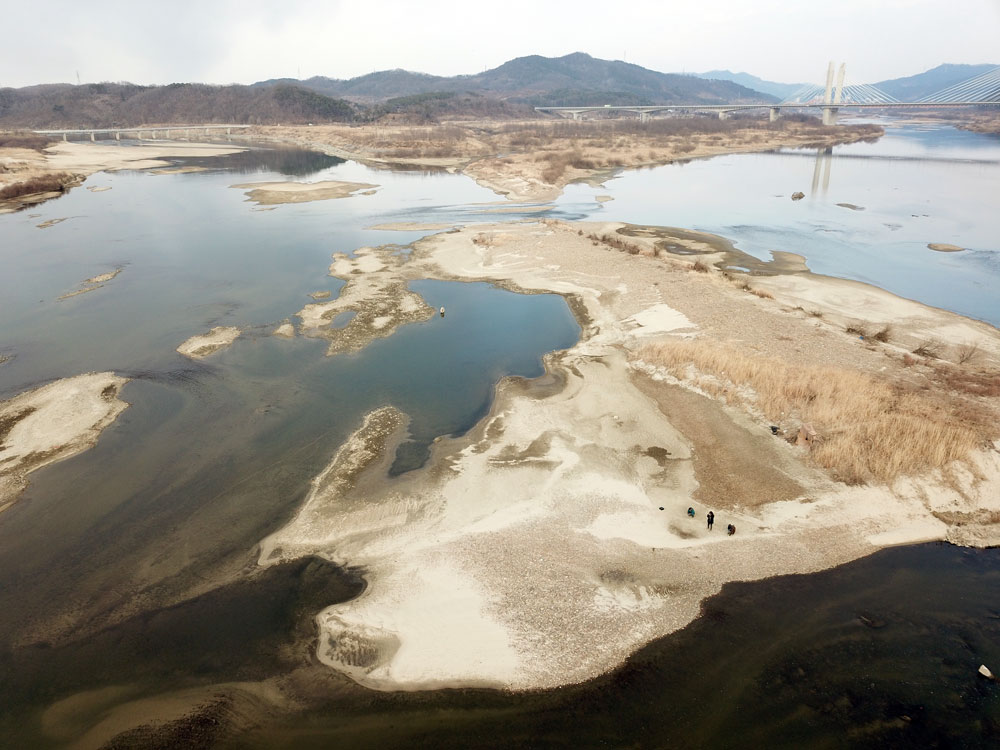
(883,334)
(50,183)
(966,353)
(930,349)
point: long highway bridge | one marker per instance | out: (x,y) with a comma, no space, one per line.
(982,90)
(150,131)
(724,110)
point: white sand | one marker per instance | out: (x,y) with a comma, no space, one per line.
(52,423)
(532,552)
(205,344)
(271,193)
(285,330)
(88,158)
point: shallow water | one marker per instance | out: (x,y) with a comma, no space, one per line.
(918,184)
(213,455)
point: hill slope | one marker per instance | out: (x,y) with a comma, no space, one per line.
(577,78)
(124,105)
(774,88)
(931,81)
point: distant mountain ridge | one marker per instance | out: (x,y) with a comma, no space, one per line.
(912,88)
(774,88)
(510,90)
(542,81)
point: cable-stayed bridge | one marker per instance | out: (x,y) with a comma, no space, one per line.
(979,91)
(985,88)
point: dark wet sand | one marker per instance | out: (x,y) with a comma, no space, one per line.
(881,652)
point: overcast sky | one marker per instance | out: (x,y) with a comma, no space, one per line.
(242,41)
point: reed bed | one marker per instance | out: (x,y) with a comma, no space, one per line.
(870,430)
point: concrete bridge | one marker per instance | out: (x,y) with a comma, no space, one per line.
(977,92)
(725,110)
(164,131)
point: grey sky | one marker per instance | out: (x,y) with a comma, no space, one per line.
(230,41)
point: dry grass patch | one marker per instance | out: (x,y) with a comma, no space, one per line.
(870,430)
(50,183)
(984,383)
(24,139)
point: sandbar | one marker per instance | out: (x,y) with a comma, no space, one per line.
(53,422)
(205,344)
(274,193)
(552,541)
(376,296)
(95,282)
(944,247)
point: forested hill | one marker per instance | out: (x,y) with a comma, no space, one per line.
(573,79)
(125,105)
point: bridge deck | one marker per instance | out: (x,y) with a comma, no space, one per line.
(147,129)
(733,107)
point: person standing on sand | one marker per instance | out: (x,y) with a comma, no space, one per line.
(731,529)
(711,519)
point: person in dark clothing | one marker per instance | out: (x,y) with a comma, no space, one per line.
(711,519)
(731,529)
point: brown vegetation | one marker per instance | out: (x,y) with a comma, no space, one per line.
(49,183)
(550,148)
(24,139)
(870,430)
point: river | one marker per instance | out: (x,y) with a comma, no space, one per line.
(212,456)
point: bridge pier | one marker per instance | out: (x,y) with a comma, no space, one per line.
(775,114)
(118,135)
(93,137)
(64,137)
(644,117)
(829,115)
(723,115)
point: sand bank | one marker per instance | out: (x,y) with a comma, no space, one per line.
(51,423)
(92,284)
(375,298)
(533,552)
(944,247)
(87,158)
(204,344)
(274,193)
(516,159)
(74,161)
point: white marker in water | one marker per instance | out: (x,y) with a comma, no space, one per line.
(442,312)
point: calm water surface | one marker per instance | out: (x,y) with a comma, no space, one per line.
(916,185)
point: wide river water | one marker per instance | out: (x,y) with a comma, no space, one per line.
(211,456)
